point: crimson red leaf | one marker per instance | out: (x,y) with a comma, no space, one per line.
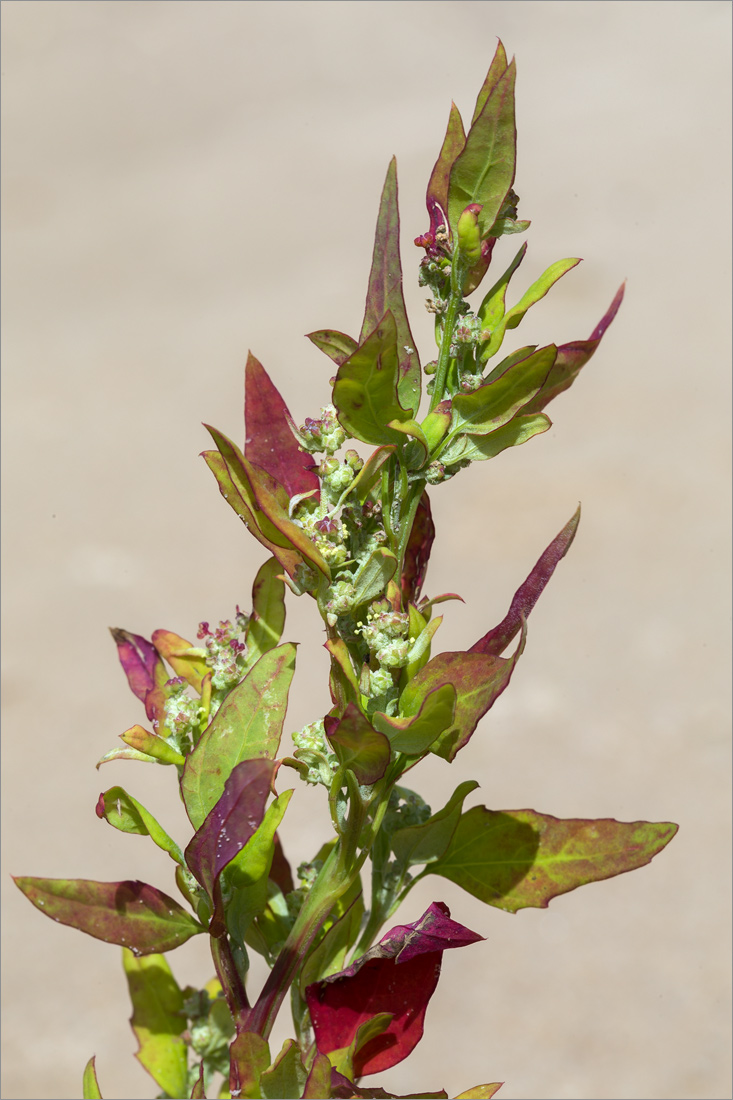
(417,553)
(495,641)
(131,914)
(139,659)
(269,443)
(399,976)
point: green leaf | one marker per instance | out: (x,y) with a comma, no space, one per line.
(492,308)
(128,754)
(496,70)
(248,725)
(427,842)
(89,1081)
(318,1085)
(514,859)
(536,292)
(481,1092)
(416,734)
(484,171)
(342,1059)
(250,1056)
(359,747)
(342,680)
(329,954)
(265,626)
(477,448)
(437,193)
(385,293)
(172,648)
(493,405)
(373,575)
(337,345)
(125,813)
(131,914)
(198,1092)
(158,1021)
(150,746)
(365,392)
(286,1077)
(246,876)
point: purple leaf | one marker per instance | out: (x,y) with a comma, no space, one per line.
(495,641)
(232,821)
(269,443)
(358,745)
(344,1089)
(398,976)
(131,914)
(417,553)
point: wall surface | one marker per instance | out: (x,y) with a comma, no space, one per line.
(182,181)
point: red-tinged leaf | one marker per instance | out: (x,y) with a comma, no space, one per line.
(572,357)
(139,659)
(90,1086)
(158,1021)
(343,1088)
(495,641)
(414,735)
(232,821)
(131,914)
(343,684)
(385,293)
(515,859)
(171,648)
(479,680)
(337,345)
(269,443)
(436,198)
(266,623)
(151,745)
(399,976)
(247,726)
(496,70)
(358,745)
(197,1092)
(249,1057)
(286,1077)
(318,1084)
(417,553)
(280,871)
(481,1092)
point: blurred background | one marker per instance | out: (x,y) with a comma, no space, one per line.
(183,181)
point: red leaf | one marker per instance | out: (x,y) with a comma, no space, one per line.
(527,595)
(398,975)
(269,443)
(417,553)
(139,659)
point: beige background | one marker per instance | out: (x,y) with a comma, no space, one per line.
(183,181)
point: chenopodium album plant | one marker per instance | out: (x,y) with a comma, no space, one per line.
(354,535)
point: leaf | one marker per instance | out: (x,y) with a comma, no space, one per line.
(250,1057)
(493,405)
(515,859)
(385,294)
(416,734)
(318,1084)
(427,842)
(266,623)
(373,575)
(231,822)
(520,429)
(248,725)
(491,310)
(481,1092)
(191,668)
(359,747)
(342,1087)
(478,679)
(125,813)
(496,70)
(536,292)
(286,1077)
(126,754)
(89,1081)
(343,684)
(198,1092)
(329,954)
(158,1021)
(495,641)
(145,671)
(437,193)
(343,1060)
(337,345)
(131,914)
(572,357)
(417,553)
(246,877)
(484,171)
(150,745)
(398,975)
(365,391)
(269,443)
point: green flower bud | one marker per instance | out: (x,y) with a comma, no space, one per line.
(469,234)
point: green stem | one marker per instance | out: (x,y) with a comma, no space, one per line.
(457,278)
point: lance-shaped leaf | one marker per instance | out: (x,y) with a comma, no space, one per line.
(249,1057)
(371,470)
(572,357)
(158,1021)
(145,671)
(125,813)
(399,976)
(436,198)
(336,345)
(478,448)
(515,859)
(481,1092)
(266,623)
(484,171)
(131,914)
(329,954)
(493,405)
(90,1085)
(342,680)
(262,503)
(414,735)
(365,392)
(269,443)
(385,293)
(198,1091)
(246,877)
(359,747)
(495,641)
(417,553)
(425,843)
(173,649)
(491,310)
(478,678)
(373,575)
(248,725)
(232,821)
(151,746)
(536,292)
(496,70)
